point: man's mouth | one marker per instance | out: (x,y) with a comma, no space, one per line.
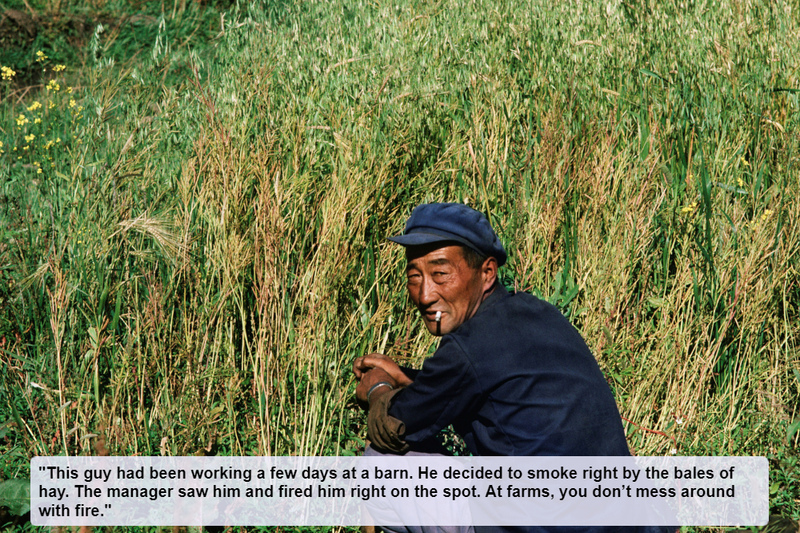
(434,317)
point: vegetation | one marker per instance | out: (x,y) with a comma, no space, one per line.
(193,214)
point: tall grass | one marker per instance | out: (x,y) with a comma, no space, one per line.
(197,270)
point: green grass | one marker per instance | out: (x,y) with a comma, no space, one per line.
(204,253)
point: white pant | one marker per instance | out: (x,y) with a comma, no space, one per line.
(372,452)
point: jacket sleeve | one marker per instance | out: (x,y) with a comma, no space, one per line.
(446,389)
(411,373)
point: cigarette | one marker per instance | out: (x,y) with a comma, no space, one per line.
(438,316)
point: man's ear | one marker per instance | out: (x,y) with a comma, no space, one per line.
(489,273)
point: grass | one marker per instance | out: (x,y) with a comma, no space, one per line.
(203,253)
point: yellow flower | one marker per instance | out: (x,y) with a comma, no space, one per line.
(58,68)
(22,120)
(48,144)
(30,138)
(37,120)
(767,213)
(40,56)
(50,104)
(6,73)
(744,161)
(740,182)
(53,86)
(72,102)
(689,208)
(34,106)
(39,170)
(69,90)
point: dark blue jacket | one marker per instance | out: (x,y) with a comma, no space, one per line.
(516,379)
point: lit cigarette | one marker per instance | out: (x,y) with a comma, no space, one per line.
(438,316)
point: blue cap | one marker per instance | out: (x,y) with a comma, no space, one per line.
(430,223)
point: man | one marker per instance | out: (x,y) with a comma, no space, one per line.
(511,374)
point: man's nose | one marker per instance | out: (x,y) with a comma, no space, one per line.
(427,292)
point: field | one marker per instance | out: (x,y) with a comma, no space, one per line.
(194,205)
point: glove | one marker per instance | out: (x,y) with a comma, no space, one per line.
(384,431)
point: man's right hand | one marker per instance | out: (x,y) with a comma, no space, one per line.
(370,378)
(377,360)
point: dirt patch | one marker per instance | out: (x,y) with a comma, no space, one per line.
(63,37)
(23,33)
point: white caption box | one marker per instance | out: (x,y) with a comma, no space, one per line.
(408,491)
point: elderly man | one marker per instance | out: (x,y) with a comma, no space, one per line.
(511,374)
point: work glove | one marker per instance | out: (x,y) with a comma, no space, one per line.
(385,431)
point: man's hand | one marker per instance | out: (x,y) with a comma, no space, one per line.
(369,379)
(362,365)
(384,431)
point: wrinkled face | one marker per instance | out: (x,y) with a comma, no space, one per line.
(439,279)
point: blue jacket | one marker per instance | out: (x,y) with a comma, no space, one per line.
(515,379)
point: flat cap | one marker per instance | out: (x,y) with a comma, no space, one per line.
(439,222)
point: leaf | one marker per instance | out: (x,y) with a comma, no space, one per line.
(793,428)
(653,74)
(16,495)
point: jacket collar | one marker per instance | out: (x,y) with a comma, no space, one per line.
(498,294)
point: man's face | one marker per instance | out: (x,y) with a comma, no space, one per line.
(439,279)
